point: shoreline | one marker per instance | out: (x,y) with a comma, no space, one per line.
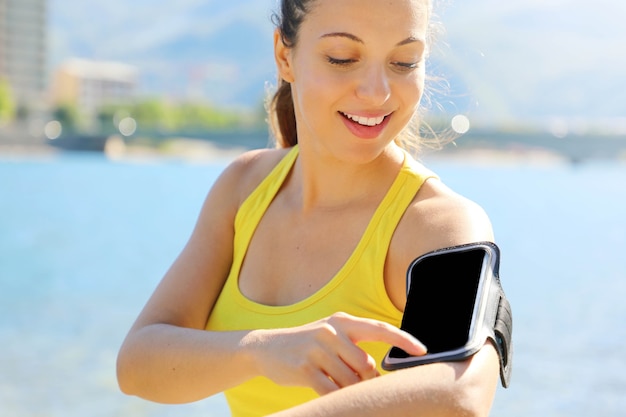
(498,157)
(190,150)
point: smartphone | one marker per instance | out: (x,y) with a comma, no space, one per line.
(447,304)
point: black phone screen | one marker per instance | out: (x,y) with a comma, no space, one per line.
(441,299)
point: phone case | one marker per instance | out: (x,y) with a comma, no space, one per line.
(493,318)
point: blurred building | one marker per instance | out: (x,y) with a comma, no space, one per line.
(90,85)
(23,45)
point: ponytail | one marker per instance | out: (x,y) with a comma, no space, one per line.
(282,117)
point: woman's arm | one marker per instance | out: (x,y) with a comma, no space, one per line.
(170,364)
(167,356)
(456,389)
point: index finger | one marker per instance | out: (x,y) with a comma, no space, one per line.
(360,329)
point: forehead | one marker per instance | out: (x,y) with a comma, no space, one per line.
(382,17)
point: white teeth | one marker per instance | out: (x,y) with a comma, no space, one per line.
(365,121)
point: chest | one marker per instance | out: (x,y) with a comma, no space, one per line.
(291,256)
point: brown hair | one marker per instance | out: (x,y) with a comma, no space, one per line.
(281,113)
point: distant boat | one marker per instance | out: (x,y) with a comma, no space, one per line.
(81,142)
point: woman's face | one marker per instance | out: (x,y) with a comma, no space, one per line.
(357,74)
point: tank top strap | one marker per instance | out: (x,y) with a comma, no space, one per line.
(255,205)
(410,179)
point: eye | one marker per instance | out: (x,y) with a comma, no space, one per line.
(340,62)
(406,66)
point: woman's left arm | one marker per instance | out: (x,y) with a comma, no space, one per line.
(464,388)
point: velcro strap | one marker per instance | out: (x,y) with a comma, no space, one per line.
(503,331)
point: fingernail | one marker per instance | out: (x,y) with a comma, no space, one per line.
(420,345)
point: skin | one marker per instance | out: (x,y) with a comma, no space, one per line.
(169,357)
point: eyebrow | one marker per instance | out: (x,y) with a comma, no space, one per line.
(410,39)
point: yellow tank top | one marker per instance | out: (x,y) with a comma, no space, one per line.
(358,288)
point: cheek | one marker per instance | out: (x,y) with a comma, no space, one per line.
(318,84)
(311,106)
(412,88)
(315,92)
(408,94)
(308,99)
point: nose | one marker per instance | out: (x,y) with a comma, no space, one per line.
(373,86)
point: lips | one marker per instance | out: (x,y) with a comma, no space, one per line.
(365,121)
(365,127)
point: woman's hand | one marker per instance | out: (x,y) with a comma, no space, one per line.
(323,355)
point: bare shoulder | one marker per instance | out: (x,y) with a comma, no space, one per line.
(247,171)
(232,187)
(190,287)
(447,218)
(438,217)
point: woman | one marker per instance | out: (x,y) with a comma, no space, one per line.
(291,287)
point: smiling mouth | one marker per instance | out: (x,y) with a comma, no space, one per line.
(364,121)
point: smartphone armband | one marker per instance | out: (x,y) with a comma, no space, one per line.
(471,308)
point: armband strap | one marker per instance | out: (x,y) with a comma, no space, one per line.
(502,336)
(502,332)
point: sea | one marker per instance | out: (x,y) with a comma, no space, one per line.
(84,240)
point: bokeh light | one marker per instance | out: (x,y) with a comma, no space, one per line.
(53,129)
(127,126)
(460,124)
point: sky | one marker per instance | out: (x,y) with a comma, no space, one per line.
(539,61)
(563,58)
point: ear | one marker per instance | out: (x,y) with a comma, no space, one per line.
(282,55)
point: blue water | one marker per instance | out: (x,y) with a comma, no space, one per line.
(83,241)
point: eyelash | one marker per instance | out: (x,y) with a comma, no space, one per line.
(407,65)
(340,62)
(404,66)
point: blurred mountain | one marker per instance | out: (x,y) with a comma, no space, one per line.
(202,49)
(538,61)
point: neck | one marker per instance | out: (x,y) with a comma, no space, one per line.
(328,183)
